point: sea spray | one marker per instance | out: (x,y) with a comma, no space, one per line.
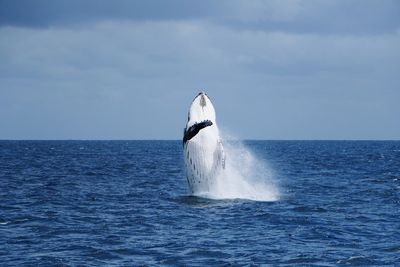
(245,176)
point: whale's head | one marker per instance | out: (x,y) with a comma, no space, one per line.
(200,110)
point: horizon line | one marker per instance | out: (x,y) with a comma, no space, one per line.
(243,139)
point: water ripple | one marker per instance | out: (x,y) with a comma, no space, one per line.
(125,203)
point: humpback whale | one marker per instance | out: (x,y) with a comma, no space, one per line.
(204,155)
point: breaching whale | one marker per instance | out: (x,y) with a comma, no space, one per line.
(204,155)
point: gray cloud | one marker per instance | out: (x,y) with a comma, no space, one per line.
(134,78)
(45,13)
(318,16)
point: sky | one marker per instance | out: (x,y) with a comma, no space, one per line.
(127,70)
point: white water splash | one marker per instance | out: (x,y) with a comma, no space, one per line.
(245,176)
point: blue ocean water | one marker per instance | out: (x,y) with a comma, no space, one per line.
(125,203)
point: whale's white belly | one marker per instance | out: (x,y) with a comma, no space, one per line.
(199,157)
(202,147)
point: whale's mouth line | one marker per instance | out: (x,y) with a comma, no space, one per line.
(193,130)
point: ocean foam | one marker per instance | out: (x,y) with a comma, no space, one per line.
(245,176)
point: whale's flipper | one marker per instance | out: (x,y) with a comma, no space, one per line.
(219,159)
(195,129)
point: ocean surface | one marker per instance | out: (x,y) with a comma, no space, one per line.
(126,203)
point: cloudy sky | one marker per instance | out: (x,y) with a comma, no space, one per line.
(129,69)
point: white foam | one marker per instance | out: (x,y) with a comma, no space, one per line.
(245,176)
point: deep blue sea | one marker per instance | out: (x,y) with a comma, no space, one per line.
(126,203)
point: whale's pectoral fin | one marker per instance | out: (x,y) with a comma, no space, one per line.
(223,160)
(222,155)
(195,129)
(219,159)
